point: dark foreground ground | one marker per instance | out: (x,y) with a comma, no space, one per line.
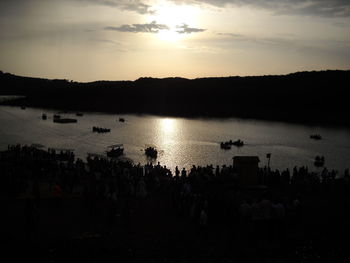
(154,231)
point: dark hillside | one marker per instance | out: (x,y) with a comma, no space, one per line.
(308,97)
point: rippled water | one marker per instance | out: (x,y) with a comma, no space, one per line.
(182,142)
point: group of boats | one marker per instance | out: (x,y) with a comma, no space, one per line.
(117,150)
(100,130)
(227,145)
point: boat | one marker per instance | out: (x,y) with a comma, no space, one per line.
(151,152)
(121,119)
(43,116)
(115,150)
(237,143)
(225,145)
(315,136)
(100,130)
(65,120)
(319,161)
(57,118)
(23,107)
(79,114)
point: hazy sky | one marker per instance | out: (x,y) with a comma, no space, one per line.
(88,40)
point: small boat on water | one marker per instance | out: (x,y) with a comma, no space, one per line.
(225,145)
(57,119)
(100,130)
(79,114)
(43,116)
(319,161)
(237,143)
(65,120)
(315,136)
(115,150)
(151,152)
(23,107)
(121,120)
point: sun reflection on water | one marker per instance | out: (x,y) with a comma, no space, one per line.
(170,141)
(168,126)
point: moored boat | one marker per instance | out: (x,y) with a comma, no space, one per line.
(115,150)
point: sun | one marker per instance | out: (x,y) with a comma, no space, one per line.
(173,15)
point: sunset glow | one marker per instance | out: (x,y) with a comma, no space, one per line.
(88,40)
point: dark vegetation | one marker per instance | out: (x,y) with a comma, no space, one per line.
(303,97)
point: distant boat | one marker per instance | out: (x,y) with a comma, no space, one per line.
(121,119)
(23,107)
(225,145)
(79,114)
(315,136)
(65,120)
(115,150)
(151,152)
(57,119)
(319,161)
(100,130)
(237,143)
(43,116)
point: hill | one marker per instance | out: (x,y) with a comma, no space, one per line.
(317,97)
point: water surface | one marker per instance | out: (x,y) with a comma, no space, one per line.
(180,141)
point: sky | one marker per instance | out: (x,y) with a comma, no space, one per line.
(87,40)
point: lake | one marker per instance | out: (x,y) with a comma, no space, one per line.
(181,142)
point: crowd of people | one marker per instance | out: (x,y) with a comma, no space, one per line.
(203,195)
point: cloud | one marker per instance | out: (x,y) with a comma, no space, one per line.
(188,30)
(138,6)
(152,27)
(324,8)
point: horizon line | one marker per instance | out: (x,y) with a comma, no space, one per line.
(178,77)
